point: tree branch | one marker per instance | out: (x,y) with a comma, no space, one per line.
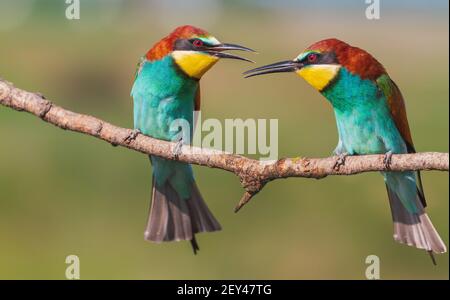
(253,174)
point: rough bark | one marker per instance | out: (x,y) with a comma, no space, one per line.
(253,174)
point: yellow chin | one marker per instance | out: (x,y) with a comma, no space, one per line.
(194,63)
(319,76)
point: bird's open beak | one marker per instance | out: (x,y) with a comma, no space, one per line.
(279,67)
(217,51)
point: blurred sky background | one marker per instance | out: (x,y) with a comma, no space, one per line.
(64,193)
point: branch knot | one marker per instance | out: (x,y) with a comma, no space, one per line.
(46,107)
(253,175)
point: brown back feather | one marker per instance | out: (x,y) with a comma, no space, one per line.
(398,111)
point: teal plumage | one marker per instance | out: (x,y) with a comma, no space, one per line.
(166,92)
(162,94)
(365,126)
(371,119)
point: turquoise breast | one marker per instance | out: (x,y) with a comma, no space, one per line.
(162,94)
(364,122)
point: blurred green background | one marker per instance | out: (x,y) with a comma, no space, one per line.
(64,193)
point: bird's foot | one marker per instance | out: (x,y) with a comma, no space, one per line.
(132,136)
(177,149)
(340,161)
(387,160)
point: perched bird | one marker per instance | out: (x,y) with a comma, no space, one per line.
(371,119)
(166,88)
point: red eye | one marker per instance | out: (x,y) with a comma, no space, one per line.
(312,57)
(197,43)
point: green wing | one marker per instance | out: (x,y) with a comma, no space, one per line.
(398,111)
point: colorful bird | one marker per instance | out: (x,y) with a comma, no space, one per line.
(166,89)
(371,119)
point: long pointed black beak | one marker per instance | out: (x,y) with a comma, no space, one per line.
(217,51)
(279,67)
(224,47)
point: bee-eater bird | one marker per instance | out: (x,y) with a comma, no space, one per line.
(166,89)
(371,119)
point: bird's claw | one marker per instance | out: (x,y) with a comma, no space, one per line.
(387,160)
(177,149)
(340,161)
(132,136)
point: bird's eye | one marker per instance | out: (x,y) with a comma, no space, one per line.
(312,57)
(197,43)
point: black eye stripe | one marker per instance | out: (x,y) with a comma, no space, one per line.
(321,58)
(188,44)
(312,57)
(196,40)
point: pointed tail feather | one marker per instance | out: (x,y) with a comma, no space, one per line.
(174,219)
(194,245)
(202,220)
(414,229)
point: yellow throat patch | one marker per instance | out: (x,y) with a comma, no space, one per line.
(319,76)
(194,63)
